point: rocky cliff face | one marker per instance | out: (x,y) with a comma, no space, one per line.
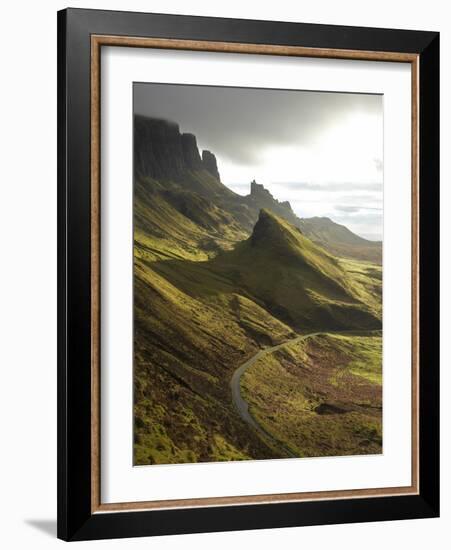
(163,153)
(190,151)
(210,164)
(262,198)
(157,148)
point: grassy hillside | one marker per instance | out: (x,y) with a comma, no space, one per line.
(207,297)
(321,396)
(187,344)
(286,274)
(173,222)
(340,241)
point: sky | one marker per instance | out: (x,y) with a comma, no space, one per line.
(322,151)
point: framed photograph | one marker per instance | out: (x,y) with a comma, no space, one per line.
(248,274)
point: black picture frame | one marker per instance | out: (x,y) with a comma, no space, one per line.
(75,518)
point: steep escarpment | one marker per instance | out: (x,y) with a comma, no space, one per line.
(162,152)
(157,146)
(190,151)
(210,164)
(260,197)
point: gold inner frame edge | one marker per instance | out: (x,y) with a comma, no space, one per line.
(97,41)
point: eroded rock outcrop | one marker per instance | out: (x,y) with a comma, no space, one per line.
(162,152)
(262,198)
(191,152)
(210,164)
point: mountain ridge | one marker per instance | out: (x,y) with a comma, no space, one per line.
(163,153)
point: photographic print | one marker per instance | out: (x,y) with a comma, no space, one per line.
(247,274)
(257,273)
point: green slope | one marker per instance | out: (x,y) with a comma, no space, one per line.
(187,343)
(285,273)
(211,288)
(321,396)
(339,240)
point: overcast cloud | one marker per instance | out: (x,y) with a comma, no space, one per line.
(321,151)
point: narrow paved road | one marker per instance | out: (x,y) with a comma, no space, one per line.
(241,404)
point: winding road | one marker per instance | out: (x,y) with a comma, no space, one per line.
(242,406)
